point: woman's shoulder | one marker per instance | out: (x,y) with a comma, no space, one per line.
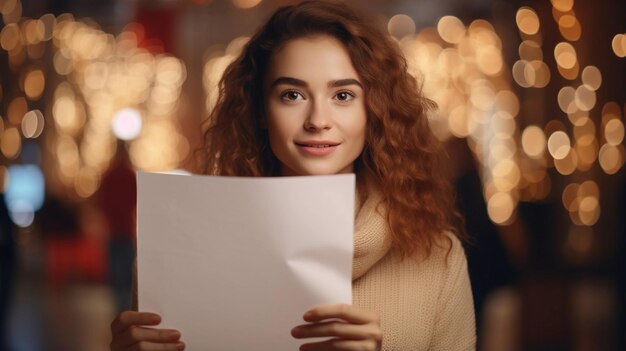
(447,247)
(445,260)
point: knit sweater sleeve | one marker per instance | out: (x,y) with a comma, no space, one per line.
(455,327)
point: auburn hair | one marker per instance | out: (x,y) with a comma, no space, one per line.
(401,158)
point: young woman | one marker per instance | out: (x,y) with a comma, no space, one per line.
(319,90)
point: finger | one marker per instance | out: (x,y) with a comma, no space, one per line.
(348,313)
(128,318)
(149,346)
(135,334)
(338,344)
(338,329)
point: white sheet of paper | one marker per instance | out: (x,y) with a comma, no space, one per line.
(233,262)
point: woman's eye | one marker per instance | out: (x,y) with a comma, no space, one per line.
(291,95)
(344,96)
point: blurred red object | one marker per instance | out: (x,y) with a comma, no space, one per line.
(80,259)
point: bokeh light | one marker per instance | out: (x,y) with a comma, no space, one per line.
(32,124)
(500,207)
(34,84)
(566,99)
(614,132)
(562,5)
(585,98)
(592,77)
(565,55)
(619,45)
(569,27)
(11,143)
(611,158)
(127,123)
(527,21)
(24,193)
(559,145)
(451,29)
(246,4)
(16,110)
(533,141)
(567,165)
(400,26)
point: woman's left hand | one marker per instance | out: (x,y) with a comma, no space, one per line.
(351,328)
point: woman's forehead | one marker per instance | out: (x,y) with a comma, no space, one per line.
(312,58)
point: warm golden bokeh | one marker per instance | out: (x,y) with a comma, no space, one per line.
(562,5)
(530,50)
(10,37)
(246,4)
(500,207)
(592,77)
(559,145)
(569,27)
(400,26)
(614,132)
(534,142)
(619,45)
(527,21)
(611,158)
(462,69)
(32,124)
(566,99)
(567,165)
(585,98)
(34,84)
(451,29)
(565,55)
(11,143)
(99,74)
(16,110)
(11,11)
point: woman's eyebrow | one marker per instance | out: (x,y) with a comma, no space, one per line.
(289,81)
(344,82)
(301,83)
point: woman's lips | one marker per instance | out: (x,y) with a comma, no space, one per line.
(317,148)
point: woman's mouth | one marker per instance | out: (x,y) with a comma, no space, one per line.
(315,148)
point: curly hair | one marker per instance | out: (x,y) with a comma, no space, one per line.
(401,158)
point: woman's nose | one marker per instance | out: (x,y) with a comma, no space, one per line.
(318,118)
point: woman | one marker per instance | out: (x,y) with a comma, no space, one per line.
(318,90)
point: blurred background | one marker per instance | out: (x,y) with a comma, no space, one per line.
(531,96)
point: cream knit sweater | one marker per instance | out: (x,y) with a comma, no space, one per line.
(422,305)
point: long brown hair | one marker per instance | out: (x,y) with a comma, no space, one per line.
(401,158)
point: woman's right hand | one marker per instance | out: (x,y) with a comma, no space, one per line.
(132,331)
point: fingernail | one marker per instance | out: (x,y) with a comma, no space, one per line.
(180,346)
(309,314)
(174,334)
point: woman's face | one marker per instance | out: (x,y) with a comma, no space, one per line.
(315,108)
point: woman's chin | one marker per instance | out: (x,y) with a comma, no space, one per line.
(310,172)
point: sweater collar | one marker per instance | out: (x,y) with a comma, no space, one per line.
(372,238)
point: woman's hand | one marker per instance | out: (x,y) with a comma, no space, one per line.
(351,328)
(131,331)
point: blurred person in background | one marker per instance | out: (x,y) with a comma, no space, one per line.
(8,261)
(117,199)
(621,272)
(488,263)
